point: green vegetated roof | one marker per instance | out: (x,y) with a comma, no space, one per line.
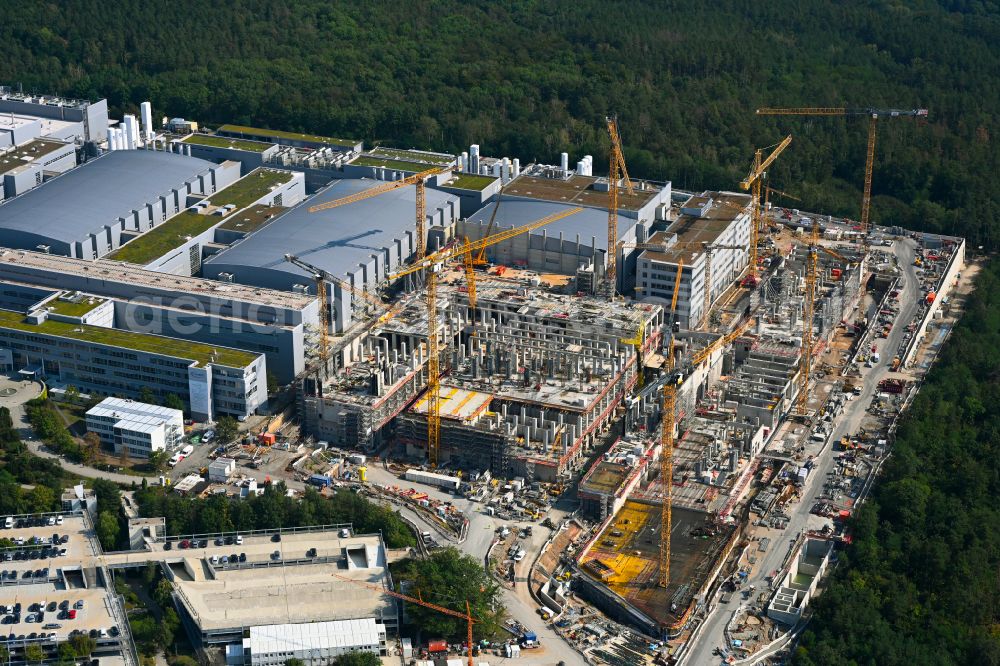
(228,142)
(251,187)
(439,159)
(252,218)
(281,134)
(399,165)
(200,353)
(27,153)
(470,181)
(74,309)
(174,232)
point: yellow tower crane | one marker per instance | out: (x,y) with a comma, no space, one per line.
(755,180)
(470,279)
(418,179)
(467,615)
(674,379)
(873,116)
(667,441)
(708,248)
(617,172)
(707,305)
(325,319)
(767,195)
(432,263)
(808,313)
(480,258)
(808,310)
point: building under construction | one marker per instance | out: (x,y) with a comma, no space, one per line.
(532,377)
(727,408)
(550,370)
(355,409)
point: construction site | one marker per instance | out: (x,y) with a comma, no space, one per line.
(508,352)
(677,362)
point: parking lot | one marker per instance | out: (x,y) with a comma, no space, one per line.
(32,548)
(51,610)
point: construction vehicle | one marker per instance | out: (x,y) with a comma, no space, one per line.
(467,615)
(873,117)
(755,180)
(616,173)
(431,264)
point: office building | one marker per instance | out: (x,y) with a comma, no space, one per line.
(137,426)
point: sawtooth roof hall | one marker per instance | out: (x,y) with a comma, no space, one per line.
(358,242)
(82,212)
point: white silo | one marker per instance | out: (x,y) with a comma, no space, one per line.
(581,168)
(111,138)
(589,160)
(131,131)
(474,158)
(465,162)
(564,162)
(504,170)
(120,139)
(146,114)
(516,168)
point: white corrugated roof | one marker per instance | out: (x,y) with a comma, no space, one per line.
(136,416)
(126,409)
(313,636)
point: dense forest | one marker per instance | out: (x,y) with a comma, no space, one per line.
(531,78)
(920,582)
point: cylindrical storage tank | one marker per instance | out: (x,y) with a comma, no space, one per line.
(146,115)
(564,161)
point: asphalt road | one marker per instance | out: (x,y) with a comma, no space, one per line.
(518,601)
(711,633)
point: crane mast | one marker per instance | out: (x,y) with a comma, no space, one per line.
(755,181)
(617,172)
(432,264)
(873,116)
(667,472)
(433,372)
(808,306)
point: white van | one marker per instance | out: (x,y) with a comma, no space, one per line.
(8,523)
(176,459)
